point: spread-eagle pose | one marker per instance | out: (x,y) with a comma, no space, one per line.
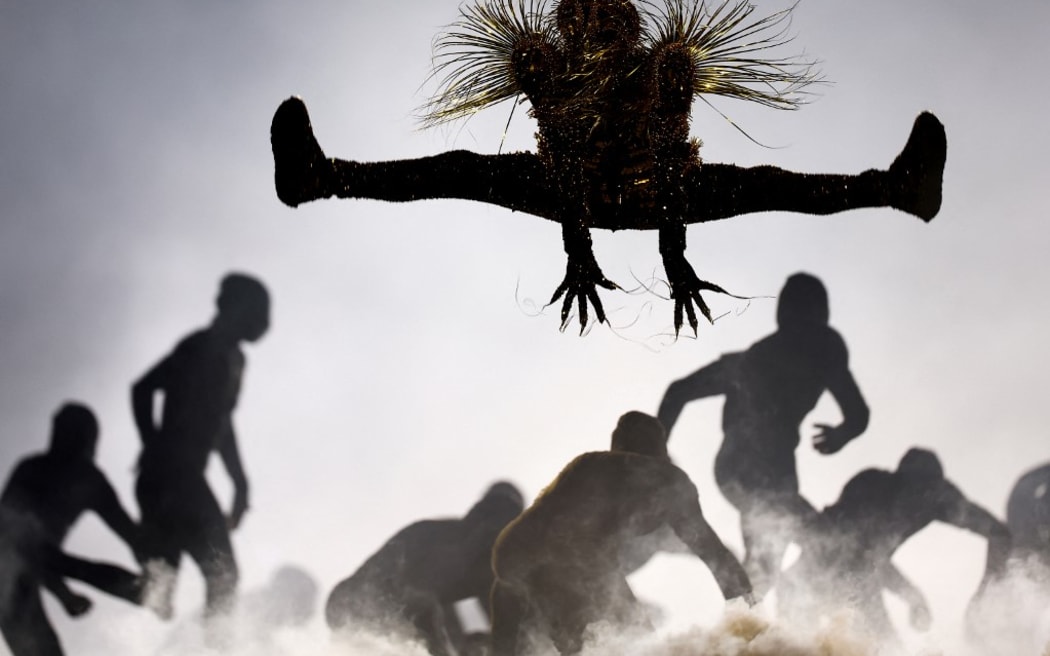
(611,84)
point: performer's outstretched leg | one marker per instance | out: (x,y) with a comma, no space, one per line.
(302,173)
(911,184)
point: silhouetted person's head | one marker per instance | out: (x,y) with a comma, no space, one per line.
(803,302)
(74,432)
(244,306)
(920,464)
(637,432)
(290,597)
(502,503)
(598,24)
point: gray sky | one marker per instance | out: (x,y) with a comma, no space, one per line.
(406,368)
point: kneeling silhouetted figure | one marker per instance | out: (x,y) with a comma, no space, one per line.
(42,499)
(847,563)
(559,566)
(411,584)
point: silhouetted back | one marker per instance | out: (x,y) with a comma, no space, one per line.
(1028,514)
(46,493)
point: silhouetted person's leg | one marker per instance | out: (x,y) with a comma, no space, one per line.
(162,540)
(772,515)
(911,184)
(510,619)
(427,616)
(208,543)
(111,579)
(26,628)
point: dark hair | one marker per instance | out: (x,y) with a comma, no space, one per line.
(637,432)
(921,462)
(502,502)
(803,301)
(74,431)
(241,289)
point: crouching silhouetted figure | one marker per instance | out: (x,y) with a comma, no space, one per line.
(1009,614)
(847,562)
(559,566)
(411,584)
(41,501)
(1028,516)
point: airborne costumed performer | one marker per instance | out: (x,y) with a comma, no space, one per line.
(611,84)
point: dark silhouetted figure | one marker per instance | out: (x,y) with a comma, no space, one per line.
(612,95)
(847,562)
(411,584)
(769,389)
(1009,615)
(559,566)
(41,501)
(1028,516)
(200,381)
(287,601)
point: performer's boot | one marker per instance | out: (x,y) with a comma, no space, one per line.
(301,171)
(917,173)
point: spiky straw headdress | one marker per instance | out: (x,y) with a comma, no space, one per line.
(475,59)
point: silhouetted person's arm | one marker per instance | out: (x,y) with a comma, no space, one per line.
(74,604)
(968,515)
(711,380)
(687,520)
(855,413)
(919,611)
(231,458)
(105,503)
(143,394)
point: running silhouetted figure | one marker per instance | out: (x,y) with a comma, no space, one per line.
(44,496)
(611,85)
(769,389)
(847,562)
(199,381)
(411,584)
(559,566)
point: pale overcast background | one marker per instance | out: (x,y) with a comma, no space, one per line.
(406,368)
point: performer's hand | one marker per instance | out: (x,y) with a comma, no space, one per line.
(829,439)
(582,278)
(240,506)
(76,605)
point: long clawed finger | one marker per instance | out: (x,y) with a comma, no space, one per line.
(599,311)
(581,298)
(699,300)
(566,308)
(686,306)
